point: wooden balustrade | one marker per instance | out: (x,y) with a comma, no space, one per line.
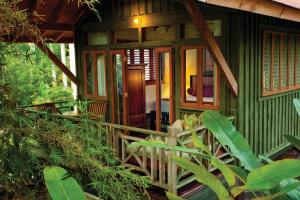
(156,163)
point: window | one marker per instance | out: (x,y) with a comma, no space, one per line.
(124,36)
(190,30)
(199,78)
(143,56)
(280,62)
(97,38)
(95,75)
(157,33)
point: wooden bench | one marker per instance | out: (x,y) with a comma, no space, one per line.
(97,109)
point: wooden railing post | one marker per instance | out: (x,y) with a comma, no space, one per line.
(172,166)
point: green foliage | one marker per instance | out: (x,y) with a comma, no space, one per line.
(28,144)
(268,181)
(172,196)
(30,77)
(205,177)
(268,176)
(226,133)
(61,186)
(297,105)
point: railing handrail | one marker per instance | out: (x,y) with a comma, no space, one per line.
(104,124)
(54,102)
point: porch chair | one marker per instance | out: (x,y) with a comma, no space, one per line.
(97,109)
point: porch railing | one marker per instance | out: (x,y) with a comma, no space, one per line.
(157,163)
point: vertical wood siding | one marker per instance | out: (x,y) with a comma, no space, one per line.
(119,9)
(263,120)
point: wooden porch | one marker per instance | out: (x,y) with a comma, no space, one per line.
(153,162)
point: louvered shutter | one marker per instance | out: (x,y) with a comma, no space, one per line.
(276,61)
(267,45)
(143,56)
(284,61)
(298,60)
(291,60)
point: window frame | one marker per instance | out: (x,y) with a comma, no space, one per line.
(199,104)
(94,56)
(288,87)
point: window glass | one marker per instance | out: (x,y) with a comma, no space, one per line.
(97,38)
(200,79)
(90,74)
(157,33)
(125,36)
(209,78)
(191,57)
(95,80)
(101,75)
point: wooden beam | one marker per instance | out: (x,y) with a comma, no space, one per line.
(56,27)
(59,36)
(57,62)
(57,12)
(213,47)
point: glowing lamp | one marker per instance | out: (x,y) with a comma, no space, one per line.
(137,21)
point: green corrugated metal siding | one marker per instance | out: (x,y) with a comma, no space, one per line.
(263,120)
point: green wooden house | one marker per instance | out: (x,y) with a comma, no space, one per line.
(148,63)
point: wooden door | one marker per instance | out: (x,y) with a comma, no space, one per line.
(136,99)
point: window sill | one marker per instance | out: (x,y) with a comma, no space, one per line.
(279,93)
(202,107)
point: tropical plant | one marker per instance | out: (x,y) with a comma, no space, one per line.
(29,142)
(273,180)
(29,75)
(290,138)
(61,186)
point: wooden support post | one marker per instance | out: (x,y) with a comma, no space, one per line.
(57,62)
(172,166)
(213,47)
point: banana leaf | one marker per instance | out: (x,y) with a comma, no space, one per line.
(227,135)
(61,186)
(268,176)
(205,177)
(297,105)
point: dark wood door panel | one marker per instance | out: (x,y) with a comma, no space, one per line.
(135,76)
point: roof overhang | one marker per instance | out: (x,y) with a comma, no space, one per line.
(56,19)
(284,9)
